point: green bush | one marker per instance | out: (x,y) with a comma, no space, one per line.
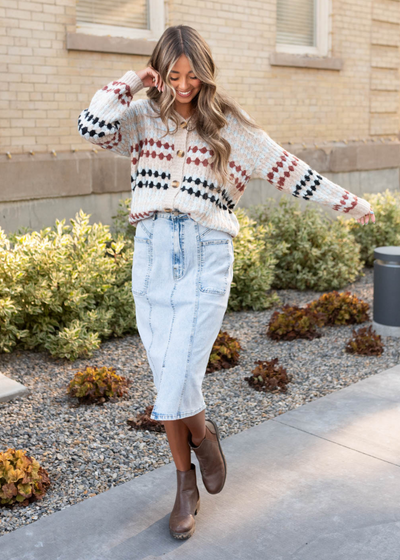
(313,252)
(385,231)
(254,266)
(65,288)
(121,225)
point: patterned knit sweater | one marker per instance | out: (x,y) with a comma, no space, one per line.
(174,172)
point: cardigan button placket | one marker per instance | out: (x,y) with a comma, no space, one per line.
(179,160)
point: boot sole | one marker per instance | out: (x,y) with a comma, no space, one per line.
(188,534)
(222,454)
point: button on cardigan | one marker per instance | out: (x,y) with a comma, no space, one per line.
(174,171)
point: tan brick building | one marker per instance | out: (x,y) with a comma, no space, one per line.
(320,76)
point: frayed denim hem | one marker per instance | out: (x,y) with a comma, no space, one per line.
(157,416)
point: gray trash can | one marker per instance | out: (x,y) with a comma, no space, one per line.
(387,291)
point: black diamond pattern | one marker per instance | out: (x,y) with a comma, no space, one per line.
(303,183)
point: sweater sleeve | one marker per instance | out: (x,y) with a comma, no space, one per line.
(290,174)
(107,121)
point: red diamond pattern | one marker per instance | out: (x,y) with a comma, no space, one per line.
(278,168)
(124,94)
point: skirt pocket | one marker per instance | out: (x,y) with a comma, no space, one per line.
(216,262)
(141,265)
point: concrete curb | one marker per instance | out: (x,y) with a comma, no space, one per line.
(10,389)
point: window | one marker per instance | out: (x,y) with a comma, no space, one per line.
(135,19)
(302,26)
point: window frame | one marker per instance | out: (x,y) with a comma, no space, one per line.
(322,26)
(156,24)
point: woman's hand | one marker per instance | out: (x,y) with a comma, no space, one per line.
(365,219)
(151,78)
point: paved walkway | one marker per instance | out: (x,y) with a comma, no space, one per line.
(321,482)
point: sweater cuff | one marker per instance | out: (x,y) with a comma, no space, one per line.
(133,81)
(363,207)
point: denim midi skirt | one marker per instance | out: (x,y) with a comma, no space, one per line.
(181,280)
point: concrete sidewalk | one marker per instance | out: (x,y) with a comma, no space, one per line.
(321,482)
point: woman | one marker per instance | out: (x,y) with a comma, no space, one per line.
(186,183)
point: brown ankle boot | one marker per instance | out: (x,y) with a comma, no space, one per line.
(211,459)
(187,504)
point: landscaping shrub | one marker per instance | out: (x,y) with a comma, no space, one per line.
(366,342)
(224,353)
(65,288)
(313,251)
(341,308)
(268,376)
(97,385)
(144,422)
(22,479)
(295,322)
(254,267)
(121,225)
(385,231)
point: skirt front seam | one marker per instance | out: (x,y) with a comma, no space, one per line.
(194,323)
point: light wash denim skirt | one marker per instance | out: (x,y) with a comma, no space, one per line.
(181,280)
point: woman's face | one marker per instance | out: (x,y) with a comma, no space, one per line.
(183,80)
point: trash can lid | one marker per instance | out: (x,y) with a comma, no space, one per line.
(387,254)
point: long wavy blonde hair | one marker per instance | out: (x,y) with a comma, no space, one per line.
(210,104)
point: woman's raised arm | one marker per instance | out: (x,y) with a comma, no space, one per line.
(107,121)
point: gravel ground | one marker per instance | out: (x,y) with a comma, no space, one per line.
(88,449)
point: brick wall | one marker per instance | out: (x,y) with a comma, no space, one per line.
(43,86)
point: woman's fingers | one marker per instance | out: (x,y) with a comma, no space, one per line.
(370,216)
(365,219)
(158,82)
(151,78)
(156,79)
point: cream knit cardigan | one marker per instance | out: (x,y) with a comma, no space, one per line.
(175,172)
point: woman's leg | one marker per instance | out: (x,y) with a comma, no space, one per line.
(197,426)
(178,432)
